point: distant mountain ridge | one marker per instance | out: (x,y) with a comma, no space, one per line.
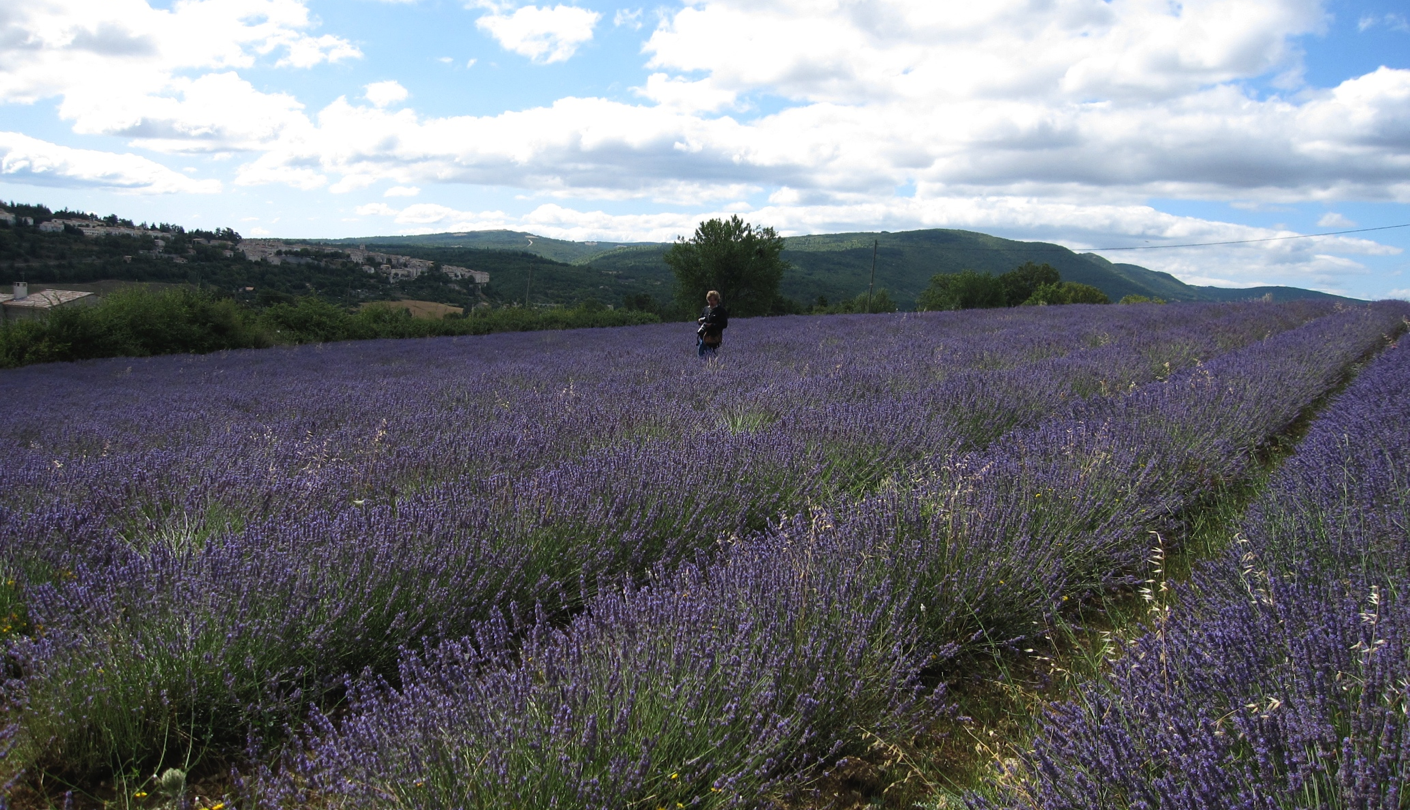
(534,270)
(838,266)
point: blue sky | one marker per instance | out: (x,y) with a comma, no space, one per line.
(1092,124)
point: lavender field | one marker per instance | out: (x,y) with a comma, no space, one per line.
(585,569)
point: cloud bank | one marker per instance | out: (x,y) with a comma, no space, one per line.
(1131,99)
(1058,119)
(29,160)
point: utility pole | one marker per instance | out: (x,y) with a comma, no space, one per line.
(872,283)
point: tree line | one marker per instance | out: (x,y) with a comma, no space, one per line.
(1029,284)
(139,322)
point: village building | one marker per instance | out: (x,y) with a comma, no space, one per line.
(395,267)
(460,273)
(21,303)
(260,249)
(92,228)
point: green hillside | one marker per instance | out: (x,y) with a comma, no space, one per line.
(1270,293)
(831,266)
(838,266)
(835,267)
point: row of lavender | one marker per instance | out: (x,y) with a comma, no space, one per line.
(185,553)
(1281,678)
(706,685)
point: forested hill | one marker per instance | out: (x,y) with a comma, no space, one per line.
(838,266)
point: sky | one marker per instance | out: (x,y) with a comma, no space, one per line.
(1096,125)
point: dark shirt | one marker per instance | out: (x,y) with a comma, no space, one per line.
(714,320)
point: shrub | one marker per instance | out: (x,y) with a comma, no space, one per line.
(967,289)
(135,323)
(880,301)
(308,320)
(1067,292)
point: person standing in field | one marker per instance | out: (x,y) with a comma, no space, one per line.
(713,321)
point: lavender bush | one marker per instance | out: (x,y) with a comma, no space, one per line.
(1280,678)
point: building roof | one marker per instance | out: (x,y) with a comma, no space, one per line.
(44,299)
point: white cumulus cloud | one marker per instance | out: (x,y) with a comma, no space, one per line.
(35,162)
(384,93)
(1332,219)
(164,77)
(684,94)
(216,112)
(545,35)
(1395,22)
(631,18)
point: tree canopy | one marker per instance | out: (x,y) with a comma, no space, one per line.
(742,262)
(1020,283)
(1029,283)
(967,289)
(880,301)
(1068,292)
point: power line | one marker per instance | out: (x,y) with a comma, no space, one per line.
(1251,241)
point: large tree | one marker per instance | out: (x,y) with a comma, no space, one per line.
(970,289)
(1020,283)
(967,289)
(743,262)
